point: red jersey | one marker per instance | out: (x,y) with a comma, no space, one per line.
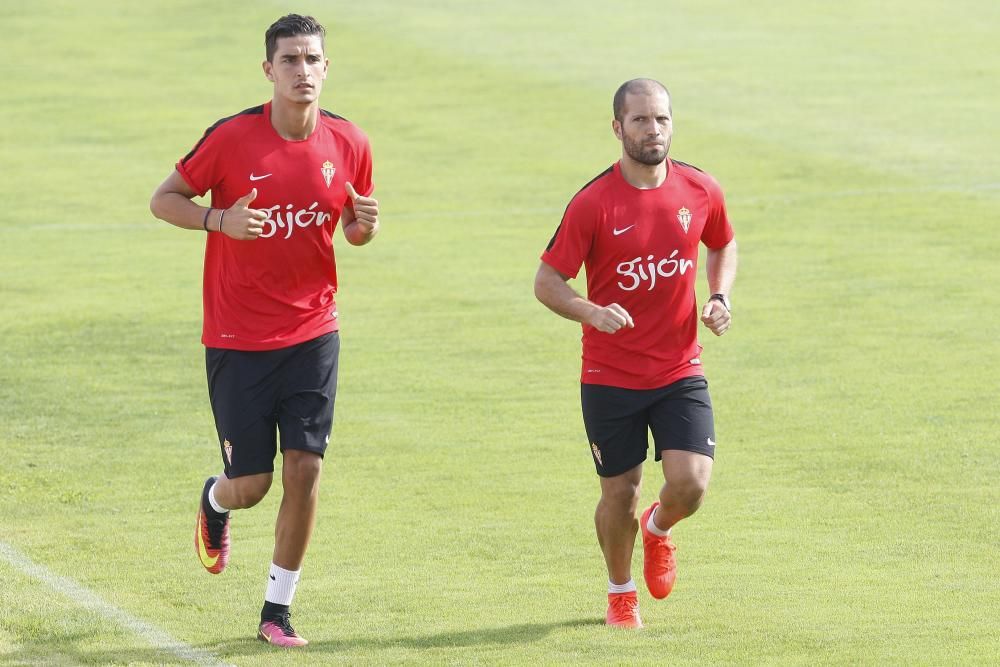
(640,249)
(277,290)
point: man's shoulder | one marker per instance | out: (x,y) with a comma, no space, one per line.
(237,121)
(594,189)
(340,125)
(697,176)
(224,131)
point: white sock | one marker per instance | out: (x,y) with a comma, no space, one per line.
(627,587)
(281,585)
(213,502)
(653,528)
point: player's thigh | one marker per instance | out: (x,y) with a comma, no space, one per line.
(622,491)
(616,426)
(306,410)
(682,418)
(243,407)
(686,472)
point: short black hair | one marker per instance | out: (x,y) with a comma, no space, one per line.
(291,26)
(635,86)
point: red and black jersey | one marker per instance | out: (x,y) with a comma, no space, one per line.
(277,290)
(640,250)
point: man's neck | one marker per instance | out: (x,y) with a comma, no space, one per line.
(643,176)
(294,122)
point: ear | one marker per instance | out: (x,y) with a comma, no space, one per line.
(326,66)
(268,70)
(617,128)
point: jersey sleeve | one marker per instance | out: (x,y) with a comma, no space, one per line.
(362,182)
(571,243)
(718,232)
(202,167)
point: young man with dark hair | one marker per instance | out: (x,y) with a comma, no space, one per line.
(636,227)
(281,175)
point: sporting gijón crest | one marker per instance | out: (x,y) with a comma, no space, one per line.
(684,217)
(328,171)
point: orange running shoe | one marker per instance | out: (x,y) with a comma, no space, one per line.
(211,535)
(659,568)
(623,610)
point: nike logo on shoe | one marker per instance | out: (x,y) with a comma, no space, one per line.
(258,178)
(206,560)
(619,232)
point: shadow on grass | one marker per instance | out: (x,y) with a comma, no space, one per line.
(76,648)
(524,633)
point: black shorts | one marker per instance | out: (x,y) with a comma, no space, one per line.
(618,420)
(255,394)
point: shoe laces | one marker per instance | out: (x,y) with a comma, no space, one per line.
(668,552)
(283,624)
(666,544)
(625,605)
(216,529)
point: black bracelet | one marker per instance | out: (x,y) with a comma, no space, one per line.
(204,223)
(220,219)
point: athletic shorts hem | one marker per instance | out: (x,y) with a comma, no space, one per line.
(320,451)
(232,474)
(705,451)
(619,470)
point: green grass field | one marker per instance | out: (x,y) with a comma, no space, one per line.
(853,515)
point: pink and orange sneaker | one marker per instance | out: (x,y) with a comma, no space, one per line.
(659,568)
(211,535)
(279,631)
(623,610)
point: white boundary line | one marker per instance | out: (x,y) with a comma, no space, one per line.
(86,598)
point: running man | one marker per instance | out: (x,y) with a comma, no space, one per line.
(636,227)
(281,175)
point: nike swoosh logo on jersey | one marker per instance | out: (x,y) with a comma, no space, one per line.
(258,178)
(619,232)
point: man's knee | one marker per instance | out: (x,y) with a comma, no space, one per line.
(250,490)
(686,475)
(690,493)
(300,468)
(622,494)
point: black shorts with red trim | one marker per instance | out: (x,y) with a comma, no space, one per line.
(619,420)
(258,395)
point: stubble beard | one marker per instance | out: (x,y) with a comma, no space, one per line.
(648,156)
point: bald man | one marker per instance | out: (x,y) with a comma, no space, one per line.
(637,228)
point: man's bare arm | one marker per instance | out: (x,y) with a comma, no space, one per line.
(172,203)
(721,267)
(551,289)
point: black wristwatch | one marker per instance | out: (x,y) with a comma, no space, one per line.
(723,299)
